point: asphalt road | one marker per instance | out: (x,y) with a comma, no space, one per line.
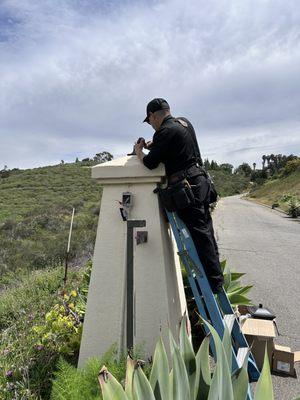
(265,244)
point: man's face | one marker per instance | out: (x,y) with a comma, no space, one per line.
(153,121)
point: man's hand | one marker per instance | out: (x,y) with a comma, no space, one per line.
(138,147)
(148,145)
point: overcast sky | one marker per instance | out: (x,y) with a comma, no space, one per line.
(76,75)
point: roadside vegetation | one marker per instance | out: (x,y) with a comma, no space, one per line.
(278,184)
(36,328)
(228,181)
(40,333)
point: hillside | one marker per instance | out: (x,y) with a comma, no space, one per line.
(228,184)
(279,190)
(35,211)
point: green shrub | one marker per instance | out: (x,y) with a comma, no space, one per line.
(229,184)
(37,326)
(294,207)
(291,166)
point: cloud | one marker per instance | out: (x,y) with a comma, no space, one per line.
(76,75)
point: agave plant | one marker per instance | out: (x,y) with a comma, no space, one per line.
(191,377)
(236,292)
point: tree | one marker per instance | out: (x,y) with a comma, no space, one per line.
(207,164)
(103,157)
(214,165)
(244,169)
(5,172)
(226,167)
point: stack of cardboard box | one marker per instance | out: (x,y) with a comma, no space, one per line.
(260,334)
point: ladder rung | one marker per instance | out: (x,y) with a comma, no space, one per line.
(229,321)
(241,355)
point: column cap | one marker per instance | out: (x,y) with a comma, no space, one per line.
(126,169)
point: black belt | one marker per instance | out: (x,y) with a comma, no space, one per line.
(190,172)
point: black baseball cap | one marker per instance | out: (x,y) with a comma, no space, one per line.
(156,105)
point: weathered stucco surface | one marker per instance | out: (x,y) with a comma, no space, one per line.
(159,293)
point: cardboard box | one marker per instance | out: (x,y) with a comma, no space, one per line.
(284,360)
(259,334)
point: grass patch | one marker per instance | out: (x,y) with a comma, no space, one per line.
(26,369)
(278,190)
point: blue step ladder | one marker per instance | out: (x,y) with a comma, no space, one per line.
(218,311)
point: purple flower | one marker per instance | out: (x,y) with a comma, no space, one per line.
(9,373)
(39,347)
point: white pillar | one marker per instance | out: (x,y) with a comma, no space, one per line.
(159,298)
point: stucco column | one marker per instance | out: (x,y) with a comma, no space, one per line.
(159,298)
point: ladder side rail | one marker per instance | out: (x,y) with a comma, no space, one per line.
(238,336)
(209,298)
(213,310)
(185,243)
(199,301)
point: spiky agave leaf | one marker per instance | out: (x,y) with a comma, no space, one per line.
(111,388)
(227,277)
(240,381)
(141,387)
(238,299)
(130,367)
(187,352)
(264,388)
(242,290)
(203,373)
(223,264)
(180,383)
(181,386)
(227,346)
(159,376)
(235,276)
(221,386)
(171,384)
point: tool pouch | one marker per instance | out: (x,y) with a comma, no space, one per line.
(213,195)
(176,197)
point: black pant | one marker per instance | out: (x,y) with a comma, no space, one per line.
(199,223)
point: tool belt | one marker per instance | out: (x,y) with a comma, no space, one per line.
(179,194)
(190,172)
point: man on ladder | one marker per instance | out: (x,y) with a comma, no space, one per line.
(187,196)
(190,189)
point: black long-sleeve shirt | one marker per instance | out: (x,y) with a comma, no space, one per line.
(174,145)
